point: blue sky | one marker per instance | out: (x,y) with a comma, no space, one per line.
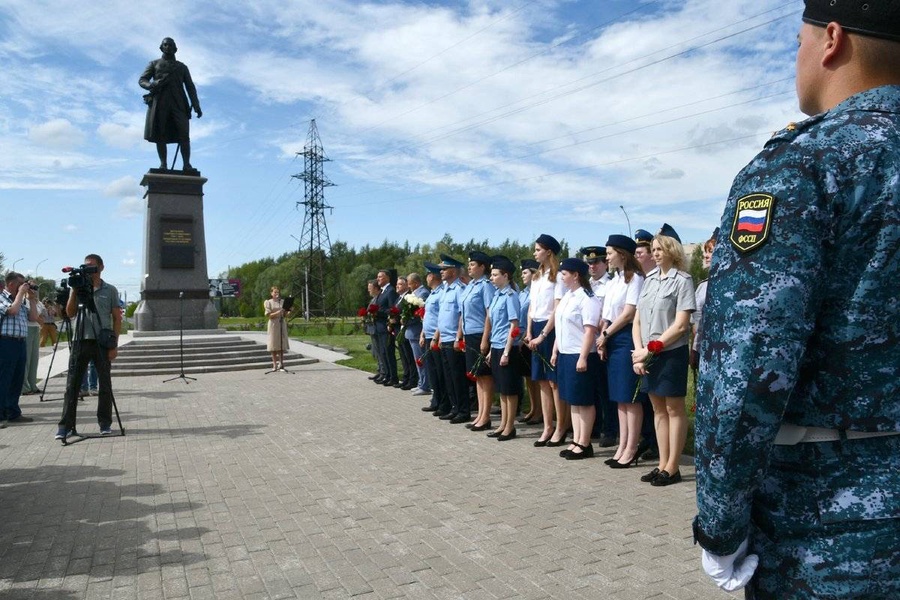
(482,119)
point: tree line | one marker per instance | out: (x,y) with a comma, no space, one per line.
(352,268)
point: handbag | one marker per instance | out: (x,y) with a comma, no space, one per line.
(108,339)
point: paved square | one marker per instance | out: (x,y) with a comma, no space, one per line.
(320,484)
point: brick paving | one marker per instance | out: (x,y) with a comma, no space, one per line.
(321,484)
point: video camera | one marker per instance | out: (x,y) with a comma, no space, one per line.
(79,277)
(62,292)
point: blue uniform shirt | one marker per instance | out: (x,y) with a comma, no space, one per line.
(524,303)
(801,318)
(430,322)
(476,298)
(504,308)
(448,315)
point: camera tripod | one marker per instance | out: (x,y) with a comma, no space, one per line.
(78,367)
(67,329)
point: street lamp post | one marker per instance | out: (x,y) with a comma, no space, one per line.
(15,263)
(627,220)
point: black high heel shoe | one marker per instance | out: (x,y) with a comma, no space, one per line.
(609,461)
(503,437)
(553,444)
(481,427)
(619,465)
(493,434)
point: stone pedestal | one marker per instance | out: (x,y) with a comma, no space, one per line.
(175,276)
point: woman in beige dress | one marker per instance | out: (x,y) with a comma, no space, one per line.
(278,340)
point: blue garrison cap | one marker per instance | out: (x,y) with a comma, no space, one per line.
(643,237)
(502,263)
(549,242)
(574,265)
(623,242)
(667,231)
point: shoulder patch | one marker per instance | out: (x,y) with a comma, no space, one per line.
(752,221)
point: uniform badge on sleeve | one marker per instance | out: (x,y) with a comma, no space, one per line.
(752,221)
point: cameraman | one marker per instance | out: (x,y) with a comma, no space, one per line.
(14,319)
(95,335)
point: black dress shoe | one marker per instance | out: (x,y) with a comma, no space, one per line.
(493,434)
(447,416)
(481,427)
(539,443)
(565,453)
(406,387)
(620,465)
(460,419)
(430,409)
(503,437)
(389,383)
(553,444)
(609,461)
(397,384)
(374,377)
(586,452)
(377,379)
(649,477)
(664,479)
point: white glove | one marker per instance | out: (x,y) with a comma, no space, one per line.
(730,572)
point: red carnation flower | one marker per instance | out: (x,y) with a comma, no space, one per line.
(394,310)
(373,308)
(515,332)
(435,347)
(462,345)
(420,312)
(655,347)
(419,362)
(471,376)
(361,312)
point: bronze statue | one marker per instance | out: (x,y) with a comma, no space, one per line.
(168,111)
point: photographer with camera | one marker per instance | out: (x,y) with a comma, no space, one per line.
(94,304)
(14,318)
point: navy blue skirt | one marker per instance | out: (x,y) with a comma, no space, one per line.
(473,349)
(619,368)
(508,379)
(540,369)
(577,389)
(667,375)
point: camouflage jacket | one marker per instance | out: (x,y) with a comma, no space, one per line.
(802,311)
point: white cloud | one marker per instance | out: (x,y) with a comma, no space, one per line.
(57,134)
(124,187)
(70,227)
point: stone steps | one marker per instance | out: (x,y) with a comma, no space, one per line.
(201,355)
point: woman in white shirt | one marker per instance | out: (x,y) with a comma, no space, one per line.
(615,345)
(575,355)
(546,291)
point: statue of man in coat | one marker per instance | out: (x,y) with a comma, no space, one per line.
(168,110)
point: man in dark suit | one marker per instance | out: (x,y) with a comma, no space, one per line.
(385,300)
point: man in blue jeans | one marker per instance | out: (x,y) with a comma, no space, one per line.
(14,318)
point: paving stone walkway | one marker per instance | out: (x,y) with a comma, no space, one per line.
(320,484)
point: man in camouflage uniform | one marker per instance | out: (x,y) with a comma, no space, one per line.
(798,409)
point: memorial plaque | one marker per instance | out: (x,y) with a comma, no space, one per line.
(177,242)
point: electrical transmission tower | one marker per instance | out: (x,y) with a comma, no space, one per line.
(321,288)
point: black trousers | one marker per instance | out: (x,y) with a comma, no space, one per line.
(388,351)
(410,373)
(435,369)
(454,366)
(83,352)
